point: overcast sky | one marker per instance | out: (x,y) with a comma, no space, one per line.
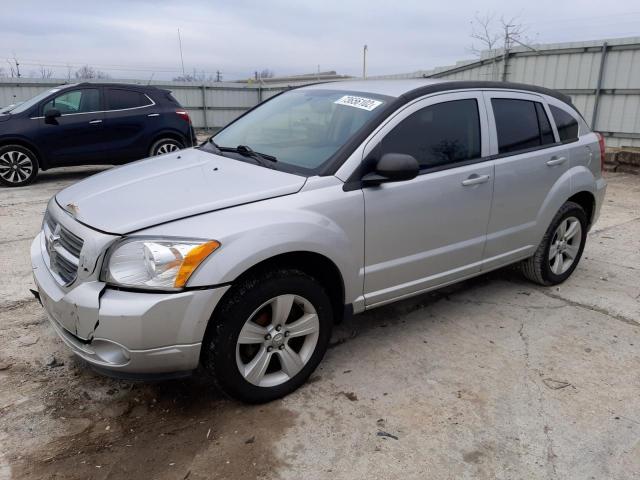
(135,38)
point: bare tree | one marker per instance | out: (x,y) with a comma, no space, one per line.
(267,73)
(87,72)
(491,36)
(45,72)
(196,76)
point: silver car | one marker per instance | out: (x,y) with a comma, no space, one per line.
(324,201)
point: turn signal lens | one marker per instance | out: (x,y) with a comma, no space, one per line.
(194,257)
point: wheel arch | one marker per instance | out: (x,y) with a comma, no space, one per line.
(587,201)
(175,135)
(22,142)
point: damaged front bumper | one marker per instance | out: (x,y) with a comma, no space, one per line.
(128,333)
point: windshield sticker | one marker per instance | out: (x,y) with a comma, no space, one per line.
(358,102)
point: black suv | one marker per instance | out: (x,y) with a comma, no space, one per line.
(89,123)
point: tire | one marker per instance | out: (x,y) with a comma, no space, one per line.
(18,166)
(164,146)
(255,303)
(554,261)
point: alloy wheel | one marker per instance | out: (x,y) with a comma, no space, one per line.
(15,166)
(565,245)
(277,340)
(167,148)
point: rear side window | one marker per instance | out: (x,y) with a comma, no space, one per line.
(520,124)
(565,123)
(440,134)
(119,99)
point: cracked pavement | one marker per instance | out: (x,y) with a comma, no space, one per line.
(493,378)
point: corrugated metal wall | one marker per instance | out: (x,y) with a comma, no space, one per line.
(612,86)
(576,69)
(222,102)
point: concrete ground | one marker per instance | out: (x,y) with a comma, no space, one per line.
(494,378)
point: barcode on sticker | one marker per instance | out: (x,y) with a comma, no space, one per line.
(358,102)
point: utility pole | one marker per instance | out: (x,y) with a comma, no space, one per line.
(507,46)
(181,58)
(218,76)
(364,62)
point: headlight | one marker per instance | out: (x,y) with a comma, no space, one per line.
(155,263)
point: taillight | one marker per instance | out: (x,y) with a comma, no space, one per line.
(183,115)
(602,149)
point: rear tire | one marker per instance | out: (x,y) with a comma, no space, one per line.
(561,247)
(18,166)
(164,146)
(268,335)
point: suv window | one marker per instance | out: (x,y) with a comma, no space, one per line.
(437,135)
(75,101)
(521,124)
(565,123)
(119,99)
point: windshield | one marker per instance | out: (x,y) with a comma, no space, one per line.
(302,129)
(24,106)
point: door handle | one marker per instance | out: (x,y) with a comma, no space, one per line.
(556,161)
(153,115)
(94,122)
(475,180)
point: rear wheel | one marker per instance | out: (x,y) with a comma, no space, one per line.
(561,248)
(164,146)
(268,336)
(18,166)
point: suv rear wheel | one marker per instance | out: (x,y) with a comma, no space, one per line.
(559,252)
(164,146)
(18,166)
(268,336)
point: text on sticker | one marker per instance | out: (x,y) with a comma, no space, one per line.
(358,102)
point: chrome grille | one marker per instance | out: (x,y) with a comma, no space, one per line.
(63,250)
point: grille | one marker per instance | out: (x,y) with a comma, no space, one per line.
(63,249)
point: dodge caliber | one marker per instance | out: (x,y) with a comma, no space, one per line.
(322,202)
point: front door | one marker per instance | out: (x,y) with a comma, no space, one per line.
(75,137)
(431,230)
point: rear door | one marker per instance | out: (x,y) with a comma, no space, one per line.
(430,230)
(76,137)
(128,117)
(529,164)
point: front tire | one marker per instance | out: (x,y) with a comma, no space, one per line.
(164,146)
(18,166)
(561,247)
(268,336)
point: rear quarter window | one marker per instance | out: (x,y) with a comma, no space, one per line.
(566,124)
(120,99)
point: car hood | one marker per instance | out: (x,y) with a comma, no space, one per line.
(169,187)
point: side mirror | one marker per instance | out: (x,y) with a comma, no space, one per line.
(52,113)
(393,167)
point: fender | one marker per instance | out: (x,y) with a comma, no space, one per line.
(24,141)
(252,233)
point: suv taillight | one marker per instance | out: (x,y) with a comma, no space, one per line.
(602,149)
(183,115)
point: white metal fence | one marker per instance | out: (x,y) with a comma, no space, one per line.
(602,77)
(210,105)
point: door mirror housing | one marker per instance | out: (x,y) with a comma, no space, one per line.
(393,167)
(52,113)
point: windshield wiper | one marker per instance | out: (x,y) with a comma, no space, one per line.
(246,151)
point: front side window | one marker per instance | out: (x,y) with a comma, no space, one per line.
(120,99)
(521,124)
(566,124)
(440,134)
(75,101)
(303,129)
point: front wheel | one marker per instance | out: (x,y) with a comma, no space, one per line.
(164,146)
(18,166)
(268,335)
(561,248)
